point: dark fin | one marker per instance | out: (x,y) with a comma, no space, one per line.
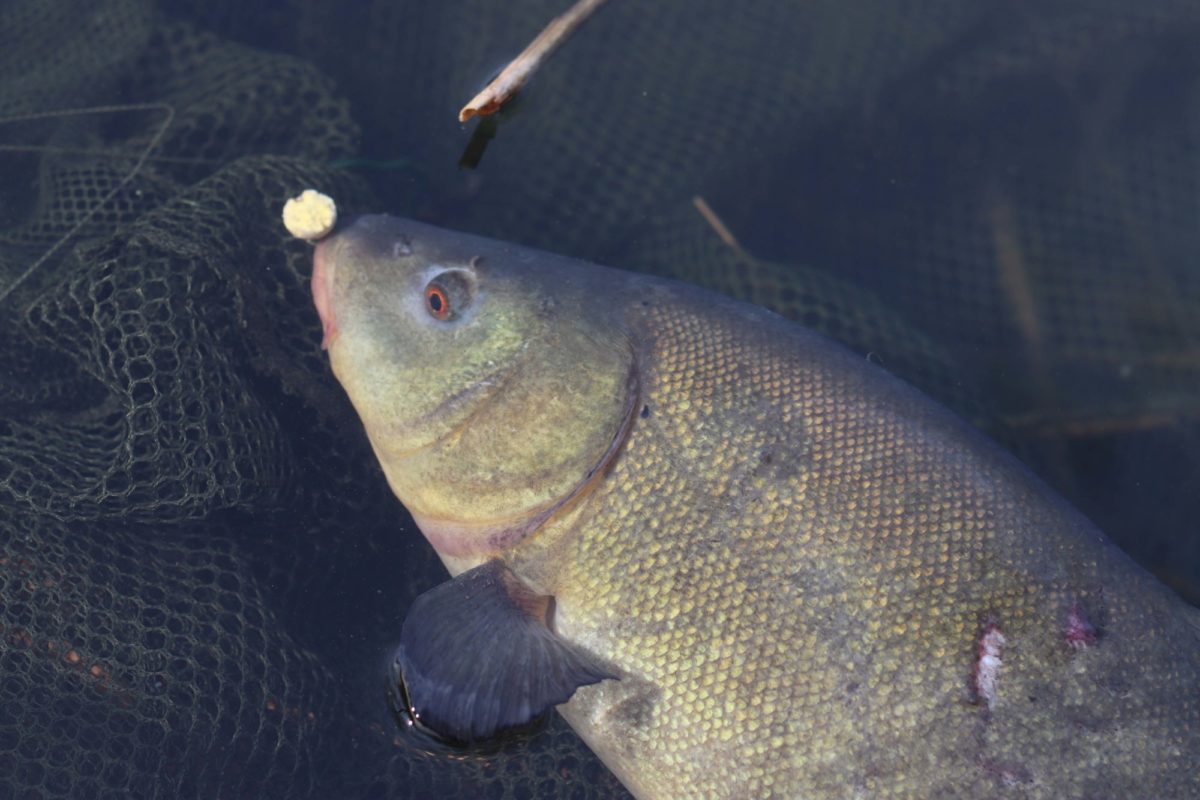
(476,656)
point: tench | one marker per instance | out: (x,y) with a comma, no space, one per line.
(741,560)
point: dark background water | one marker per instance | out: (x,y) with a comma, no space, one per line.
(999,201)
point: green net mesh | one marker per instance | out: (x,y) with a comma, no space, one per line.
(201,569)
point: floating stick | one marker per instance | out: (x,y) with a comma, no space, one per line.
(513,77)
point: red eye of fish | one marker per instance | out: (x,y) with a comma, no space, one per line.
(448,295)
(437,302)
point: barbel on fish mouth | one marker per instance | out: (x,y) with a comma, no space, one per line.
(742,561)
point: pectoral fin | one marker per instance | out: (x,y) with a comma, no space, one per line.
(477,656)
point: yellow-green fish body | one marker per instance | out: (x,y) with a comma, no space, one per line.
(806,579)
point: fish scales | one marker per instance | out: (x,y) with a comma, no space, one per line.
(819,626)
(813,582)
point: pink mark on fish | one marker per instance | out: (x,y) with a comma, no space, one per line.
(988,652)
(1080,632)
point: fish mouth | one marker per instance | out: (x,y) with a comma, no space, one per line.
(322,292)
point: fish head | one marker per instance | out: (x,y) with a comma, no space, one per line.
(493,388)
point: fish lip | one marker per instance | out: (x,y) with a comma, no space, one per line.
(322,292)
(460,540)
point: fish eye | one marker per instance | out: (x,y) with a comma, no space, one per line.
(447,296)
(436,301)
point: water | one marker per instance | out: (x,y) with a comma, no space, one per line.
(1000,205)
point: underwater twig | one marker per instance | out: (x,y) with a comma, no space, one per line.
(1047,426)
(484,132)
(168,118)
(1015,283)
(513,77)
(717,225)
(1014,278)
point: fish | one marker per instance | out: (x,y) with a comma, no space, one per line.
(739,559)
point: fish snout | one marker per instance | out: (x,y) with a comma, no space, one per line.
(322,291)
